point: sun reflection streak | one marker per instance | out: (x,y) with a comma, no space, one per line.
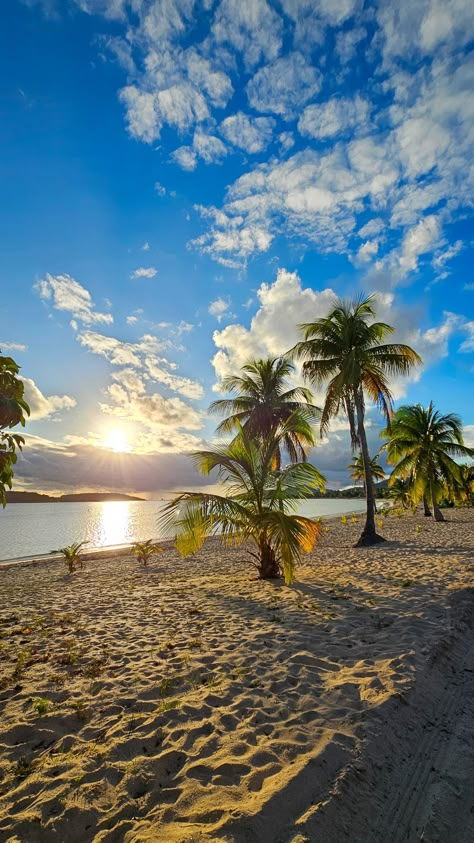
(115,525)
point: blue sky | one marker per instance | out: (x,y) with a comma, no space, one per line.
(184,181)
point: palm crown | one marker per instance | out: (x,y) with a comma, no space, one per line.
(422,445)
(257,506)
(264,404)
(346,352)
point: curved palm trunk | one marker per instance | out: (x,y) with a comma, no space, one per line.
(369,535)
(426,507)
(437,514)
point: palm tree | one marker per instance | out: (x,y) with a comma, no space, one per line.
(466,488)
(264,403)
(422,444)
(258,506)
(345,351)
(399,493)
(358,472)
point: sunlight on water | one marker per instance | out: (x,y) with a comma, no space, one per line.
(114,524)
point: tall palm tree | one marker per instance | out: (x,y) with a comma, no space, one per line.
(358,471)
(257,508)
(422,444)
(466,488)
(263,404)
(346,352)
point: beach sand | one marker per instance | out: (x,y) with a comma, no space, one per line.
(190,702)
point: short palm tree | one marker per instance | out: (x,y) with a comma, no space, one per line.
(358,471)
(72,555)
(263,403)
(422,444)
(258,506)
(346,352)
(146,550)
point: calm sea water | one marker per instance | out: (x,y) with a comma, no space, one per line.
(36,529)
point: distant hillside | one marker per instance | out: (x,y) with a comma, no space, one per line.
(85,497)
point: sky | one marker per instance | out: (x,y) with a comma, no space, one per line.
(183,182)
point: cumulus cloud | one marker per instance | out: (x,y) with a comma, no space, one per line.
(66,294)
(286,303)
(245,132)
(42,406)
(335,117)
(219,307)
(163,466)
(284,86)
(144,272)
(13,346)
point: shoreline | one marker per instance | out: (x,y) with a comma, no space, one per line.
(124,549)
(190,701)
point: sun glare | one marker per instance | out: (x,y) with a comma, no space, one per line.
(117,441)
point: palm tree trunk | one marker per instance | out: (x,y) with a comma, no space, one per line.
(426,507)
(437,514)
(369,535)
(269,568)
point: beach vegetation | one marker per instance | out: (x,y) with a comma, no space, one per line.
(357,470)
(258,506)
(40,705)
(423,445)
(264,404)
(13,411)
(146,550)
(346,353)
(72,556)
(24,767)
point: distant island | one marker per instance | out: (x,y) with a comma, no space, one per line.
(82,497)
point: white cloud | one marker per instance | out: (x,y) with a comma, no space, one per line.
(418,241)
(468,344)
(367,251)
(284,86)
(413,28)
(13,346)
(160,189)
(335,117)
(208,147)
(185,157)
(132,320)
(144,272)
(250,133)
(251,27)
(67,294)
(219,307)
(146,247)
(374,226)
(42,406)
(286,303)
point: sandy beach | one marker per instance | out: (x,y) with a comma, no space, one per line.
(190,702)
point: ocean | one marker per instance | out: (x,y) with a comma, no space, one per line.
(38,529)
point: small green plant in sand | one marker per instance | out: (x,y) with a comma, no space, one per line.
(70,655)
(168,705)
(146,550)
(40,705)
(354,518)
(22,662)
(72,556)
(344,520)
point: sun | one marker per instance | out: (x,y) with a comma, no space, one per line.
(117,441)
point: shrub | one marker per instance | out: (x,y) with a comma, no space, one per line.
(146,550)
(72,556)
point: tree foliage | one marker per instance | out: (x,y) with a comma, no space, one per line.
(13,411)
(258,507)
(422,445)
(264,403)
(346,353)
